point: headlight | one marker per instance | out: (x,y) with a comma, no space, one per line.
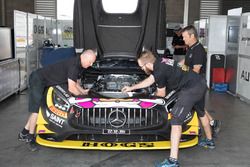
(60,101)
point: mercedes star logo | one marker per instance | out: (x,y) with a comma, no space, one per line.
(117,118)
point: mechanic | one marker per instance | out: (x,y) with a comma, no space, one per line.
(196,59)
(66,71)
(178,45)
(167,74)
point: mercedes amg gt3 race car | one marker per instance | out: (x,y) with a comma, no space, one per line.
(108,119)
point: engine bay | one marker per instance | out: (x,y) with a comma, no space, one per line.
(115,82)
(110,85)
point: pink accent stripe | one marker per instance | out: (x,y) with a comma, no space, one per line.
(41,131)
(88,104)
(146,104)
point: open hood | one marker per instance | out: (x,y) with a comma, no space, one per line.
(117,34)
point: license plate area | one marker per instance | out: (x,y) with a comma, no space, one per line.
(116,131)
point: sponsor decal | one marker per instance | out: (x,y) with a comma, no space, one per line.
(245,75)
(73,100)
(58,112)
(107,144)
(167,61)
(127,103)
(116,100)
(55,119)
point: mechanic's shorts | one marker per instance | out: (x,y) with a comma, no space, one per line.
(199,107)
(188,98)
(36,90)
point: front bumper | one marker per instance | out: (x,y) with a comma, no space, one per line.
(55,129)
(91,145)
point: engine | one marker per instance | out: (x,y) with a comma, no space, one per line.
(110,85)
(114,82)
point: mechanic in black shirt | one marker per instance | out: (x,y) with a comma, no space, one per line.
(178,45)
(65,71)
(168,75)
(196,59)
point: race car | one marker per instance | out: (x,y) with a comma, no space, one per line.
(108,119)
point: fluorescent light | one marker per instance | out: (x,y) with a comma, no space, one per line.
(119,6)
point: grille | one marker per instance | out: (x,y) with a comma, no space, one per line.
(121,118)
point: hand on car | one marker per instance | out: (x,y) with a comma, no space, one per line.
(126,89)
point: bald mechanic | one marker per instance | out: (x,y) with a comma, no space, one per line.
(65,71)
(168,75)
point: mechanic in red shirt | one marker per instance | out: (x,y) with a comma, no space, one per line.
(66,71)
(167,74)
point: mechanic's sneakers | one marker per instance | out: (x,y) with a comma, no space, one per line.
(30,139)
(215,126)
(23,137)
(33,145)
(206,143)
(170,162)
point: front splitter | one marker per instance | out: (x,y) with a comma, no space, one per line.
(92,145)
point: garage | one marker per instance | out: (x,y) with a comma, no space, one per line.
(124,83)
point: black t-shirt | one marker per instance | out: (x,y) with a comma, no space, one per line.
(59,73)
(196,55)
(167,73)
(178,40)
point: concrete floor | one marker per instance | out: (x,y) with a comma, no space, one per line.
(232,144)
